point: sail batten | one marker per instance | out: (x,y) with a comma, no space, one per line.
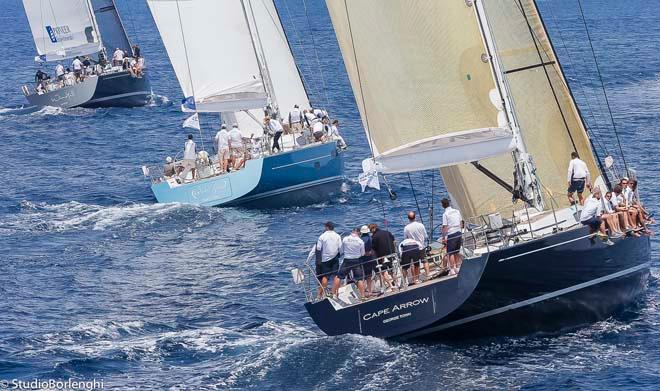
(62,29)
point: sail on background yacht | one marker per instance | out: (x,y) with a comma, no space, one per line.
(66,29)
(232,59)
(436,78)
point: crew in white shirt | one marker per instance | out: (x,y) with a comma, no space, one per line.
(77,66)
(328,250)
(353,249)
(590,214)
(118,58)
(59,72)
(275,129)
(415,231)
(189,158)
(236,147)
(333,134)
(222,145)
(295,120)
(578,178)
(452,224)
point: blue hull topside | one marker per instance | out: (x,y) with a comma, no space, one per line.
(120,90)
(302,176)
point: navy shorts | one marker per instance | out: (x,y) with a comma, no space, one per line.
(368,265)
(351,265)
(410,254)
(327,269)
(593,222)
(576,185)
(454,242)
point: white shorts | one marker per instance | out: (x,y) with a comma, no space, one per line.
(223,154)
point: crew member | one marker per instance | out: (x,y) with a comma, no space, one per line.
(295,120)
(236,147)
(382,243)
(222,145)
(274,129)
(77,66)
(353,250)
(416,231)
(590,215)
(328,249)
(168,168)
(368,259)
(452,237)
(578,178)
(189,158)
(118,58)
(59,72)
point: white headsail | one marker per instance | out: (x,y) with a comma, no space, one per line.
(287,85)
(62,29)
(211,50)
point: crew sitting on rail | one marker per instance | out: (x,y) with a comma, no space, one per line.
(611,216)
(619,206)
(646,217)
(633,215)
(353,250)
(590,215)
(168,168)
(452,237)
(578,178)
(633,202)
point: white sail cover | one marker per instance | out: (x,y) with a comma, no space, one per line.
(209,45)
(62,29)
(420,82)
(288,89)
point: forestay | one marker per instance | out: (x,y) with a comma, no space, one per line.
(113,34)
(62,29)
(421,82)
(211,50)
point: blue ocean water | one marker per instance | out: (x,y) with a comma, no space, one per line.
(100,282)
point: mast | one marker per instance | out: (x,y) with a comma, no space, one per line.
(259,54)
(526,185)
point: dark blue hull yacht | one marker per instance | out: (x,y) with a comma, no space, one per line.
(508,139)
(561,280)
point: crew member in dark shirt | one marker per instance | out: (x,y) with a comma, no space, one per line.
(382,243)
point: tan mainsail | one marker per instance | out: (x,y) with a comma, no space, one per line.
(549,137)
(416,70)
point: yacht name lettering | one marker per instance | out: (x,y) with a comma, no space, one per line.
(395,308)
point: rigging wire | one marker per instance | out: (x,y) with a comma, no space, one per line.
(412,187)
(600,77)
(357,69)
(310,71)
(131,19)
(545,70)
(572,63)
(185,51)
(316,54)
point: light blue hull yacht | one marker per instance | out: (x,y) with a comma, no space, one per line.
(301,176)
